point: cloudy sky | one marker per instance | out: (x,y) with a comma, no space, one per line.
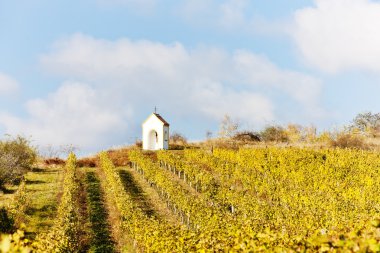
(88,72)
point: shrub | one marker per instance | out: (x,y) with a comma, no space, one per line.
(246,136)
(348,140)
(274,133)
(54,161)
(19,205)
(139,143)
(16,158)
(310,134)
(119,157)
(6,221)
(294,132)
(324,137)
(177,138)
(91,162)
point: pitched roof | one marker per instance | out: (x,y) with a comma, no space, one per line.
(162,119)
(159,117)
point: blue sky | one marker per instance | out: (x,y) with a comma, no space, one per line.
(88,73)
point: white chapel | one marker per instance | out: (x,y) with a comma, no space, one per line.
(155,131)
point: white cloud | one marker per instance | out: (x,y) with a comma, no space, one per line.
(75,114)
(254,69)
(148,70)
(232,16)
(116,78)
(7,84)
(338,35)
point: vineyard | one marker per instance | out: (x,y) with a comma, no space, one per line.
(247,200)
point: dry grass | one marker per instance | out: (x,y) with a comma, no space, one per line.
(90,162)
(349,140)
(119,157)
(54,161)
(7,196)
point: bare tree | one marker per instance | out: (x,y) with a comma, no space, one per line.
(50,151)
(228,127)
(68,149)
(178,138)
(367,122)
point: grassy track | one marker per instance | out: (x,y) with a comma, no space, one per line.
(42,186)
(146,196)
(101,235)
(6,197)
(122,242)
(136,192)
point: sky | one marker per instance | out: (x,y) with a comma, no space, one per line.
(87,73)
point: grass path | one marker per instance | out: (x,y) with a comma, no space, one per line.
(120,238)
(146,197)
(6,197)
(143,195)
(101,240)
(43,186)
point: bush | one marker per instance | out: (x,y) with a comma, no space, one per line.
(246,136)
(294,132)
(348,140)
(91,162)
(6,222)
(274,133)
(139,143)
(177,138)
(119,157)
(54,161)
(16,158)
(324,137)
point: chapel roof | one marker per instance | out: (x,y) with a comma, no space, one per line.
(161,119)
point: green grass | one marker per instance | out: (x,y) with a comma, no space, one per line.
(144,195)
(101,235)
(7,196)
(43,186)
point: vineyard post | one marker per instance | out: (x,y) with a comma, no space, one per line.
(188,220)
